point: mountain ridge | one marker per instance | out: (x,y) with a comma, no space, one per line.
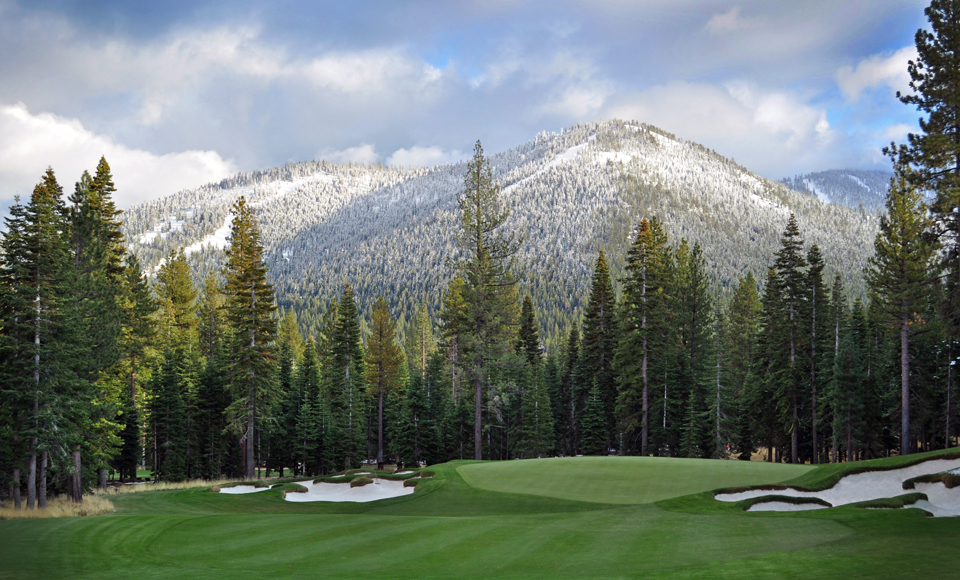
(388,230)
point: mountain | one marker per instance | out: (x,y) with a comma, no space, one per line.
(390,231)
(849,187)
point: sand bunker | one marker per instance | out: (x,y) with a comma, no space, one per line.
(782,506)
(379,489)
(869,486)
(238,489)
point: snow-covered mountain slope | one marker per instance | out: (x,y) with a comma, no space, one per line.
(849,187)
(391,231)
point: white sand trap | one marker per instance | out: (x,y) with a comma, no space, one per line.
(379,489)
(876,485)
(403,472)
(782,506)
(239,489)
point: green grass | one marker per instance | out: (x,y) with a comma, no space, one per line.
(623,480)
(451,529)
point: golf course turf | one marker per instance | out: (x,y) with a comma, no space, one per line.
(531,526)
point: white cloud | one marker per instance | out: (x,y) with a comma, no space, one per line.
(30,143)
(364,153)
(898,132)
(417,156)
(728,22)
(770,132)
(876,70)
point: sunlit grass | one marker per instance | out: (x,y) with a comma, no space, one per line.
(165,485)
(61,507)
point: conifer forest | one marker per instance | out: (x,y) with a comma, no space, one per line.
(817,334)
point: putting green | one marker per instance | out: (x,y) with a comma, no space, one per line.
(622,480)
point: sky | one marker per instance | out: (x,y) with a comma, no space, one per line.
(177,94)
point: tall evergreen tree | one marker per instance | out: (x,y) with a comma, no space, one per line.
(817,313)
(789,267)
(899,275)
(138,307)
(645,327)
(41,335)
(694,318)
(934,153)
(250,308)
(742,325)
(490,296)
(384,361)
(348,387)
(597,346)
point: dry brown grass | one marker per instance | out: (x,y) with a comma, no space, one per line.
(166,485)
(62,507)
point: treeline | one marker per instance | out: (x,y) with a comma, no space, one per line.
(101,371)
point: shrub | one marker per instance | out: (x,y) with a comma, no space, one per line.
(293,488)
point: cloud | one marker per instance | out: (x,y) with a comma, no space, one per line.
(30,143)
(770,132)
(417,156)
(874,71)
(364,153)
(728,22)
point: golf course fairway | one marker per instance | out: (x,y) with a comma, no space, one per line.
(452,528)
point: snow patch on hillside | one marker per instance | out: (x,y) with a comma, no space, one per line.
(219,239)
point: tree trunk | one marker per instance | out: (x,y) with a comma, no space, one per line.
(795,427)
(949,393)
(102,478)
(32,476)
(42,480)
(380,427)
(905,384)
(77,476)
(478,408)
(249,457)
(16,488)
(813,378)
(645,403)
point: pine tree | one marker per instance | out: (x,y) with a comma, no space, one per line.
(817,313)
(309,417)
(383,364)
(598,344)
(899,273)
(934,154)
(567,420)
(592,424)
(40,330)
(250,308)
(97,253)
(528,338)
(348,389)
(178,303)
(490,293)
(138,332)
(645,328)
(694,320)
(289,346)
(741,335)
(789,267)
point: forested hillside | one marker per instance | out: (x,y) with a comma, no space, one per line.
(848,187)
(390,231)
